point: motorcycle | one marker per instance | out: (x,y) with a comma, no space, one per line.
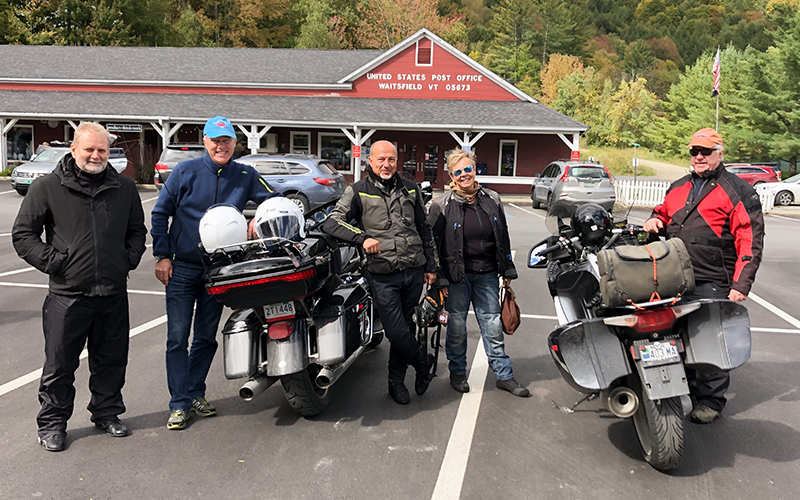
(633,355)
(303,312)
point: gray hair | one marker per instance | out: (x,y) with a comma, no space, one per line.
(456,156)
(86,127)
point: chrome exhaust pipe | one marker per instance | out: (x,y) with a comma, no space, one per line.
(621,401)
(328,376)
(256,386)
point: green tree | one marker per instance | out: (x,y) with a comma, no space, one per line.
(509,54)
(637,60)
(315,32)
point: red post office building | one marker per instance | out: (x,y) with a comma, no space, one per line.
(424,95)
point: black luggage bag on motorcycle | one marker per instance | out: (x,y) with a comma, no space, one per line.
(634,273)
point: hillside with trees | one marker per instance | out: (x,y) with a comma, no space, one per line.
(633,71)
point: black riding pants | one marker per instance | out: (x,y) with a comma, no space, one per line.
(396,294)
(70,322)
(709,389)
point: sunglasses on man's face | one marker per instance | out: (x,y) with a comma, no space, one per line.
(465,170)
(704,151)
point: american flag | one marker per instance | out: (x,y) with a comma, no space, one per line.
(715,72)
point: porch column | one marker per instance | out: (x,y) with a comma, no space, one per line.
(165,131)
(574,144)
(468,140)
(254,136)
(357,140)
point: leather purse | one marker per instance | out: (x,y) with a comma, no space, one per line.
(509,312)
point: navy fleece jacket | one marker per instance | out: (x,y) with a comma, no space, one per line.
(192,188)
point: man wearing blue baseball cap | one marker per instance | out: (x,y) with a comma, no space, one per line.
(191,189)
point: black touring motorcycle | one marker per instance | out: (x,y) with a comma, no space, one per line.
(625,334)
(303,312)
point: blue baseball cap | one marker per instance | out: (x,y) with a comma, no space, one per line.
(219,126)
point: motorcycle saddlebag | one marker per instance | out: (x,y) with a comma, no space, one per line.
(717,335)
(588,354)
(627,272)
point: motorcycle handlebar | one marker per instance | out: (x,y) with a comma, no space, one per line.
(562,244)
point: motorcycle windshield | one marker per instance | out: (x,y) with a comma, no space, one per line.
(559,214)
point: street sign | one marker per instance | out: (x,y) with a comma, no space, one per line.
(356,151)
(575,156)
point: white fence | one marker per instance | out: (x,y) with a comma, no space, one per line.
(640,193)
(651,193)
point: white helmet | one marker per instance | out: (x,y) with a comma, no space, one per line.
(221,226)
(279,216)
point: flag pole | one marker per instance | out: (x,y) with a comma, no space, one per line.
(717,123)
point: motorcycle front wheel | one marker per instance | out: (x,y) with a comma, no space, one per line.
(659,425)
(302,393)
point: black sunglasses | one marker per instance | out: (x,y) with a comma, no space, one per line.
(466,170)
(705,151)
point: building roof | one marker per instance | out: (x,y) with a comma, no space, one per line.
(192,65)
(324,112)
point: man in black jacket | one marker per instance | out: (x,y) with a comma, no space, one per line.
(94,230)
(393,230)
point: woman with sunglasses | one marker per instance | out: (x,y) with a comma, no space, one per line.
(471,235)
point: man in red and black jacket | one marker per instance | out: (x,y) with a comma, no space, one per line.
(718,216)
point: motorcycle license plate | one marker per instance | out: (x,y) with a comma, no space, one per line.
(282,310)
(659,353)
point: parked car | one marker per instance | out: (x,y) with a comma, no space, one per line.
(752,174)
(577,182)
(307,180)
(788,191)
(47,159)
(170,157)
(772,166)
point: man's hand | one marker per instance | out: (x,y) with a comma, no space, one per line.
(371,245)
(251,230)
(164,270)
(736,295)
(430,278)
(653,225)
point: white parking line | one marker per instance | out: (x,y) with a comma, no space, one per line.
(150,199)
(454,466)
(35,285)
(526,210)
(775,330)
(778,312)
(37,374)
(5,234)
(6,192)
(9,273)
(784,218)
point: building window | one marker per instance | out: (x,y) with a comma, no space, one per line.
(19,143)
(508,158)
(336,149)
(424,52)
(300,142)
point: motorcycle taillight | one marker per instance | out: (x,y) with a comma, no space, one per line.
(280,330)
(654,320)
(302,275)
(650,320)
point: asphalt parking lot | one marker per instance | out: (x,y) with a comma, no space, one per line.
(485,444)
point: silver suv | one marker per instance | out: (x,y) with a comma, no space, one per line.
(576,182)
(46,160)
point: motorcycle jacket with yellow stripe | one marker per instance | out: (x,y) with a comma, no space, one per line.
(393,216)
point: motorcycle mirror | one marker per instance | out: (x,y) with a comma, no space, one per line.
(537,261)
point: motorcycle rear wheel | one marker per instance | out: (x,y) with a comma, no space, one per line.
(659,425)
(302,393)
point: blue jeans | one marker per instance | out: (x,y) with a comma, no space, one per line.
(187,370)
(483,290)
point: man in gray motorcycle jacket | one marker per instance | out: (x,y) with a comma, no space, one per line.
(384,215)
